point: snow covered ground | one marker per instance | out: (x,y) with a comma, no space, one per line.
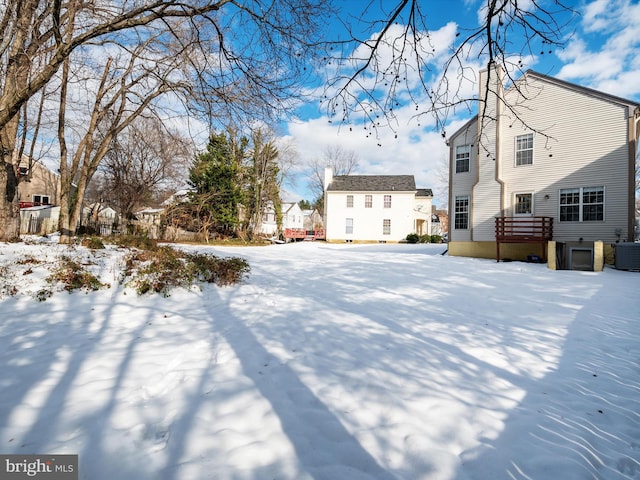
(328,362)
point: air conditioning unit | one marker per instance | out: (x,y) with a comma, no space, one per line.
(628,256)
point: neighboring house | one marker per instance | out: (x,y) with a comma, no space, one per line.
(548,160)
(269,224)
(312,220)
(148,220)
(179,196)
(38,185)
(39,220)
(374,208)
(292,216)
(100,218)
(440,222)
(38,198)
(422,212)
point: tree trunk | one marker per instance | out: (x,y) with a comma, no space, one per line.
(9,211)
(16,78)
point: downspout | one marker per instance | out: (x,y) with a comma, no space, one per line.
(450,199)
(634,134)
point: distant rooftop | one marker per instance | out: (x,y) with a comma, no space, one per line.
(372,183)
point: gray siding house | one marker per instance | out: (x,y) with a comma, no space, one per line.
(548,160)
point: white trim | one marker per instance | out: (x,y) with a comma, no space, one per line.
(581,205)
(514,204)
(515,149)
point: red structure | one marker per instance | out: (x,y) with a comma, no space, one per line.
(302,234)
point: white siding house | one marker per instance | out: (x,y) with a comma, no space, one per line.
(374,208)
(269,224)
(545,148)
(292,216)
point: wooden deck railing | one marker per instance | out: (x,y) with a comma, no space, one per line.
(302,234)
(523,230)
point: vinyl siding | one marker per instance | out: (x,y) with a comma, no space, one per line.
(581,142)
(462,183)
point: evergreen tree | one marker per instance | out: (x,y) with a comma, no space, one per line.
(304,205)
(216,177)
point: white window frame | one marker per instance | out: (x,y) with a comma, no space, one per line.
(463,158)
(581,191)
(515,204)
(349,201)
(368,201)
(527,137)
(386,226)
(348,226)
(387,201)
(465,212)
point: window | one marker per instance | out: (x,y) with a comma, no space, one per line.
(387,201)
(585,204)
(386,226)
(349,226)
(368,201)
(462,213)
(524,149)
(24,171)
(463,152)
(523,204)
(41,199)
(593,204)
(349,201)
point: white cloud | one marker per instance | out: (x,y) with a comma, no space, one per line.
(417,151)
(605,54)
(412,145)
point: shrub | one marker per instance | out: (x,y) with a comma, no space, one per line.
(135,241)
(28,260)
(165,268)
(74,276)
(94,243)
(42,295)
(425,238)
(436,239)
(413,238)
(221,271)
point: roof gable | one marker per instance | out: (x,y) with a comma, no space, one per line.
(563,83)
(578,88)
(372,183)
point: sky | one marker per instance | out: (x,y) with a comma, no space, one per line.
(329,361)
(601,51)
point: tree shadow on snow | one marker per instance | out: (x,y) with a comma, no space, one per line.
(575,422)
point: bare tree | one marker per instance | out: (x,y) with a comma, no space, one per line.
(341,161)
(144,162)
(119,101)
(255,69)
(263,176)
(399,62)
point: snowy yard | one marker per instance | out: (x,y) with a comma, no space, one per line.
(329,362)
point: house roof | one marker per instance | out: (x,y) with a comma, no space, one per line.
(286,206)
(372,183)
(573,86)
(424,192)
